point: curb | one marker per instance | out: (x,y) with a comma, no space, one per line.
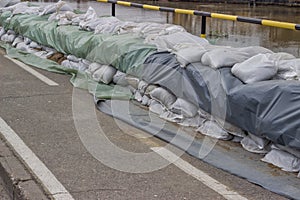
(17,180)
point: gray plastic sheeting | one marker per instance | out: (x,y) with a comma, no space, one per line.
(268,109)
(236,160)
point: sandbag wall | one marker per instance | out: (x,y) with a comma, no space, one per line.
(178,75)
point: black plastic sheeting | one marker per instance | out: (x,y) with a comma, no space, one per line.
(236,160)
(268,109)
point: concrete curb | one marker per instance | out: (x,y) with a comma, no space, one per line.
(17,180)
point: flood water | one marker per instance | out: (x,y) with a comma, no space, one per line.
(220,32)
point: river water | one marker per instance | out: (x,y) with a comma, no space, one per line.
(220,32)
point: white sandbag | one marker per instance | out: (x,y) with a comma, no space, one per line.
(35,45)
(223,57)
(88,16)
(6,3)
(255,144)
(156,107)
(230,128)
(42,54)
(85,62)
(94,67)
(189,55)
(2,32)
(17,41)
(27,40)
(82,66)
(145,100)
(11,32)
(168,42)
(119,79)
(281,56)
(163,96)
(288,69)
(150,88)
(25,9)
(172,117)
(212,129)
(22,46)
(104,74)
(254,50)
(284,160)
(171,28)
(142,87)
(193,121)
(73,58)
(183,107)
(255,69)
(132,81)
(109,28)
(137,96)
(52,8)
(67,64)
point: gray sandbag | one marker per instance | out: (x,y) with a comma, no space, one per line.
(230,128)
(137,96)
(104,74)
(7,3)
(169,42)
(172,117)
(254,50)
(52,8)
(163,96)
(150,88)
(189,55)
(132,81)
(193,121)
(255,69)
(2,31)
(223,57)
(288,69)
(142,87)
(18,40)
(255,144)
(156,107)
(282,159)
(27,40)
(73,58)
(35,45)
(145,100)
(183,107)
(212,129)
(42,54)
(119,79)
(93,67)
(22,46)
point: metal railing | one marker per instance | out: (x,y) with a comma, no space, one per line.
(265,22)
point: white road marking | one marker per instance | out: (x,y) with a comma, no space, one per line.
(33,72)
(45,176)
(198,174)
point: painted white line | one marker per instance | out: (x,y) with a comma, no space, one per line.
(198,174)
(49,181)
(33,72)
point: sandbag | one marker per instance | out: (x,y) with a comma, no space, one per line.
(104,74)
(255,144)
(156,107)
(142,87)
(170,116)
(255,69)
(183,107)
(163,96)
(52,8)
(119,78)
(284,160)
(189,55)
(132,81)
(223,57)
(193,121)
(288,69)
(18,40)
(212,129)
(254,50)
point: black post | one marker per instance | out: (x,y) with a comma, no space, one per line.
(113,9)
(203,27)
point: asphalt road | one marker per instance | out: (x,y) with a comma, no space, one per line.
(41,115)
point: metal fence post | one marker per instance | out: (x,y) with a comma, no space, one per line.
(203,27)
(113,9)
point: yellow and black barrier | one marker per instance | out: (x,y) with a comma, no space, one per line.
(278,24)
